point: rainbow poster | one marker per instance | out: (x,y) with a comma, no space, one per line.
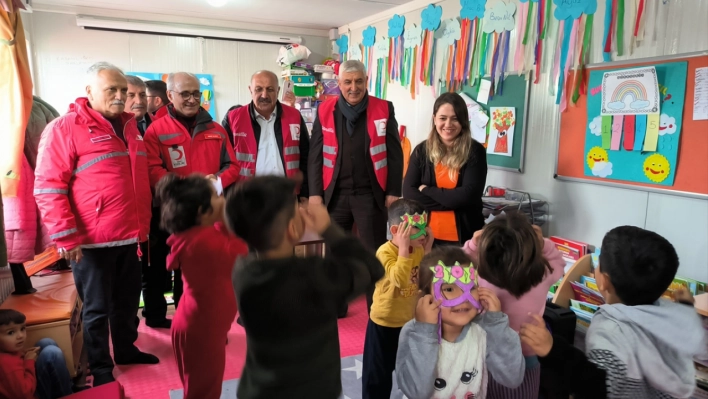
(630,92)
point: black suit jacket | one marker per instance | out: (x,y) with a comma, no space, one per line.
(394,154)
(278,127)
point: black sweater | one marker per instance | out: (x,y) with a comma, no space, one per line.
(289,310)
(465,199)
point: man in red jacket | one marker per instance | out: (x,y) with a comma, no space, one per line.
(156,98)
(270,138)
(187,141)
(93,192)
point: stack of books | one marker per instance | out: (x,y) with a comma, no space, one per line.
(587,301)
(570,249)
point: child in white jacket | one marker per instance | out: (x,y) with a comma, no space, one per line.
(449,348)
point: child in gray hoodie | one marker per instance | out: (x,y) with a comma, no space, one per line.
(639,345)
(449,349)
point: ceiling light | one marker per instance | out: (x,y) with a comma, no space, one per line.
(217,3)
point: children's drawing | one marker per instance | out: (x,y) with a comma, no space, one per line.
(652,157)
(501,132)
(657,168)
(630,92)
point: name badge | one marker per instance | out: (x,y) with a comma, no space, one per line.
(177,157)
(99,139)
(212,136)
(295,132)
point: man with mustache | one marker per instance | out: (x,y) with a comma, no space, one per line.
(356,160)
(187,141)
(270,138)
(92,190)
(154,268)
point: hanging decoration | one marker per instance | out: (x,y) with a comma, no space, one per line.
(355,52)
(369,36)
(395,37)
(449,35)
(426,57)
(498,22)
(381,55)
(532,25)
(570,16)
(342,47)
(412,40)
(471,15)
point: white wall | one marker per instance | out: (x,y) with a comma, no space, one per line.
(62,52)
(579,210)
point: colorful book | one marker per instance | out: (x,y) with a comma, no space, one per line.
(589,282)
(585,294)
(576,249)
(584,306)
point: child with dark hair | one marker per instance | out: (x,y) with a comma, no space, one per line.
(289,305)
(519,265)
(26,374)
(639,345)
(395,295)
(205,252)
(459,334)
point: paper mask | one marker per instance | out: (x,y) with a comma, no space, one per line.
(463,277)
(417,220)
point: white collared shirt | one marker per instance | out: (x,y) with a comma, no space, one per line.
(268,161)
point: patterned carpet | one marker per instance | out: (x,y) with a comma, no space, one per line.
(155,382)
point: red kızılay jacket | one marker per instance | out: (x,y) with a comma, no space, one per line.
(91,189)
(171,148)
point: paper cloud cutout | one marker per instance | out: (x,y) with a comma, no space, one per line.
(369,36)
(412,36)
(499,17)
(381,48)
(431,17)
(573,8)
(667,125)
(472,9)
(602,169)
(343,44)
(355,52)
(636,104)
(449,31)
(595,126)
(395,25)
(204,81)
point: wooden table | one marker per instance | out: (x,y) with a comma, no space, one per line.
(702,304)
(54,311)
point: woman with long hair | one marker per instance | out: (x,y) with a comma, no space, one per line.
(447,174)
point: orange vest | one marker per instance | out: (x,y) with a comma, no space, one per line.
(376,120)
(246,147)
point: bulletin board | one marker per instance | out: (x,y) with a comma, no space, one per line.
(515,94)
(689,174)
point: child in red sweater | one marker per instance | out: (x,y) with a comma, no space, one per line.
(205,252)
(39,371)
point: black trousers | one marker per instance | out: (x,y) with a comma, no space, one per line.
(108,283)
(154,271)
(370,221)
(380,349)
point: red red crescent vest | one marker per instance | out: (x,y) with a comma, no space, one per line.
(376,120)
(246,147)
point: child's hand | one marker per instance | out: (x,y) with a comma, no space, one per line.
(429,240)
(402,238)
(490,301)
(537,336)
(684,296)
(32,353)
(427,310)
(316,217)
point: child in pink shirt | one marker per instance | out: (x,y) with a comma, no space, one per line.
(519,265)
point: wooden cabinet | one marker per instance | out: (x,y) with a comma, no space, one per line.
(54,311)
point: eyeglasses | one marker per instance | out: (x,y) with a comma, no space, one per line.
(187,95)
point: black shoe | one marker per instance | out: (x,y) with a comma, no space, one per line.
(164,323)
(139,358)
(103,379)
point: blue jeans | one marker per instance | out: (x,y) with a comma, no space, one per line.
(53,379)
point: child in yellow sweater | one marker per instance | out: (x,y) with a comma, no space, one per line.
(395,296)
